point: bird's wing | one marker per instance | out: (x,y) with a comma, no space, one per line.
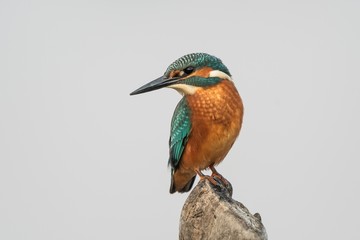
(180,130)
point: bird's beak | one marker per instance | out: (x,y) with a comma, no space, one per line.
(156,84)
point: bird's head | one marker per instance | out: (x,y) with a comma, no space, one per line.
(189,73)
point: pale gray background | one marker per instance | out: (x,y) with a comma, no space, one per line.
(81,159)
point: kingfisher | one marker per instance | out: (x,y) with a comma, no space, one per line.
(206,121)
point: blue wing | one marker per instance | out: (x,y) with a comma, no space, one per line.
(180,130)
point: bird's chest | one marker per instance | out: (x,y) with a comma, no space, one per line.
(216,107)
(216,116)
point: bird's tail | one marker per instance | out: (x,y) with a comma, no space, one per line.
(174,188)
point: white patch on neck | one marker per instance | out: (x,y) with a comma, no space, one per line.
(184,88)
(219,74)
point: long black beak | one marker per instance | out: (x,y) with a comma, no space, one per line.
(156,84)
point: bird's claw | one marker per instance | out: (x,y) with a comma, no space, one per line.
(210,178)
(221,178)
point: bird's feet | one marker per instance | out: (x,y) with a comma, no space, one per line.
(210,178)
(217,175)
(217,180)
(221,178)
(203,177)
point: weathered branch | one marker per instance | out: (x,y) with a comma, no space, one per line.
(211,213)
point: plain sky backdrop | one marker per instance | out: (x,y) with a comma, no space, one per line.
(81,159)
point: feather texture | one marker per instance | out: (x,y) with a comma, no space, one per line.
(180,130)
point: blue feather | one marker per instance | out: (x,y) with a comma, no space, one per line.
(180,130)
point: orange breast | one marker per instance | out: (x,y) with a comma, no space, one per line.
(216,117)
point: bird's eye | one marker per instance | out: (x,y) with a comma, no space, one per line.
(189,70)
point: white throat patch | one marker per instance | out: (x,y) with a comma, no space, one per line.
(219,74)
(184,88)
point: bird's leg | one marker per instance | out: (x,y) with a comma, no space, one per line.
(202,177)
(218,175)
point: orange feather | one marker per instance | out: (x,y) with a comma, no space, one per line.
(216,118)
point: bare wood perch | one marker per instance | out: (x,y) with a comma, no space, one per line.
(211,213)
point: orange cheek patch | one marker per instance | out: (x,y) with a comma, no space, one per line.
(203,72)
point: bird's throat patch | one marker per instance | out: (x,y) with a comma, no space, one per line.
(185,89)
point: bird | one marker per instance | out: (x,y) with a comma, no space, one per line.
(206,121)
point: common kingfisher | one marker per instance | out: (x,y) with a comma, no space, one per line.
(206,121)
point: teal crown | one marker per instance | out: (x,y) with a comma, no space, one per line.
(197,60)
